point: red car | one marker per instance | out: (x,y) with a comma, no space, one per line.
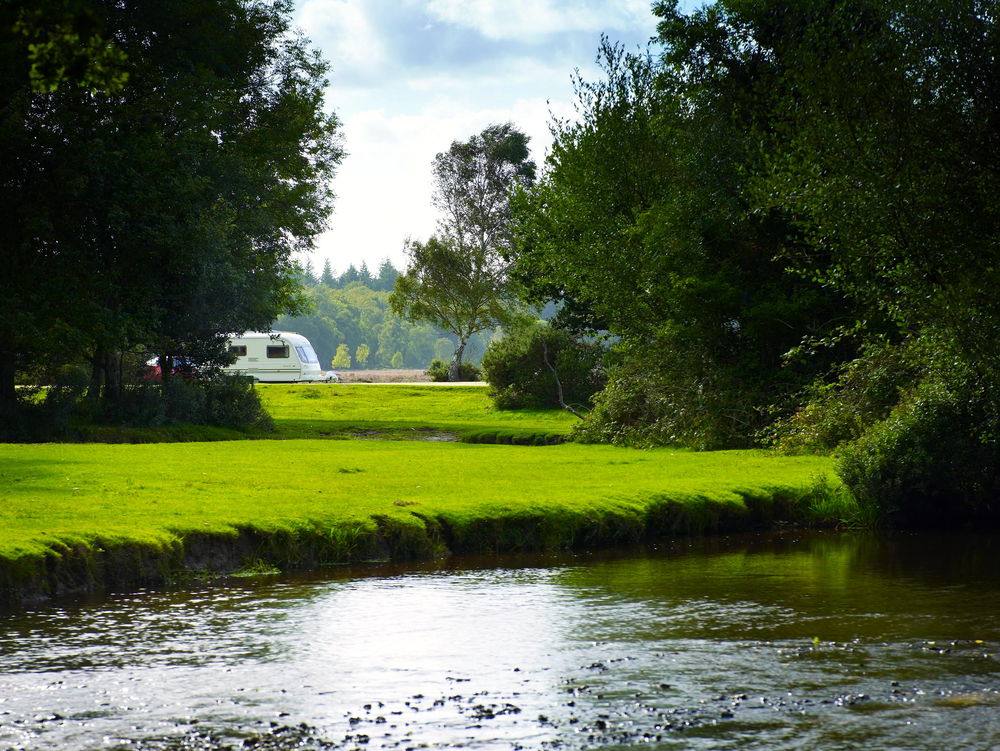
(183,367)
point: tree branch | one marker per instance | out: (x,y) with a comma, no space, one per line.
(559,388)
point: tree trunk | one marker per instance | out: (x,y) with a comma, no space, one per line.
(456,362)
(166,373)
(113,377)
(8,392)
(97,362)
(166,368)
(559,388)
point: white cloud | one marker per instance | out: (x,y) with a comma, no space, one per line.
(520,19)
(411,76)
(345,33)
(384,186)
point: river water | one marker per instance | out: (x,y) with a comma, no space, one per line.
(826,641)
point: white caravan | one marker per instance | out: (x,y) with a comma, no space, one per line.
(279,356)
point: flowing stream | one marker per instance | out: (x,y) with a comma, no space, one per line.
(816,641)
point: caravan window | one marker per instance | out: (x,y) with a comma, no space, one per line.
(240,350)
(277,351)
(306,353)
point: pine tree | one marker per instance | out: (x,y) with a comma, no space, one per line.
(364,275)
(309,274)
(351,275)
(387,275)
(327,276)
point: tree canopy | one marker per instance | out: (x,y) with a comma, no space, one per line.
(163,213)
(786,216)
(642,226)
(457,279)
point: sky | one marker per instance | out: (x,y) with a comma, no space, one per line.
(411,76)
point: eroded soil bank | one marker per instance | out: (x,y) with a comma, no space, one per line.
(99,517)
(113,564)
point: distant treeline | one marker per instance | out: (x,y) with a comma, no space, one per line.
(352,311)
(382,280)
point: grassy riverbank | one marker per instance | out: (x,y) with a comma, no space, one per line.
(91,516)
(85,515)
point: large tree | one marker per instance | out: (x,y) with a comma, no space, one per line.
(164,213)
(451,289)
(458,279)
(642,226)
(886,157)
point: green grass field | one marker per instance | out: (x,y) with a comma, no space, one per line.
(314,500)
(156,492)
(323,410)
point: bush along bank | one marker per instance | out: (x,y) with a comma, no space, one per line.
(49,566)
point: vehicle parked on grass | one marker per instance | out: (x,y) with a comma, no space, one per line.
(183,367)
(276,357)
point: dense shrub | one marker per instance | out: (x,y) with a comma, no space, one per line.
(232,401)
(439,370)
(515,366)
(45,414)
(668,391)
(61,411)
(934,459)
(862,393)
(220,399)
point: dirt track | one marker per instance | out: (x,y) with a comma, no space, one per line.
(400,376)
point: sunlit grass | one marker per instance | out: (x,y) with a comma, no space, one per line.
(100,514)
(52,494)
(323,410)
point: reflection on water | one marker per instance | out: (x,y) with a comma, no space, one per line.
(825,641)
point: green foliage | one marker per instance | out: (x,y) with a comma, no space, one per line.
(361,355)
(219,399)
(343,357)
(397,360)
(383,280)
(839,409)
(788,218)
(454,289)
(882,156)
(668,393)
(440,371)
(326,276)
(66,44)
(642,227)
(886,158)
(457,280)
(45,415)
(935,456)
(358,315)
(519,365)
(182,225)
(233,401)
(437,371)
(473,182)
(61,411)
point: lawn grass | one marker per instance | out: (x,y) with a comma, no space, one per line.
(91,516)
(389,410)
(361,496)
